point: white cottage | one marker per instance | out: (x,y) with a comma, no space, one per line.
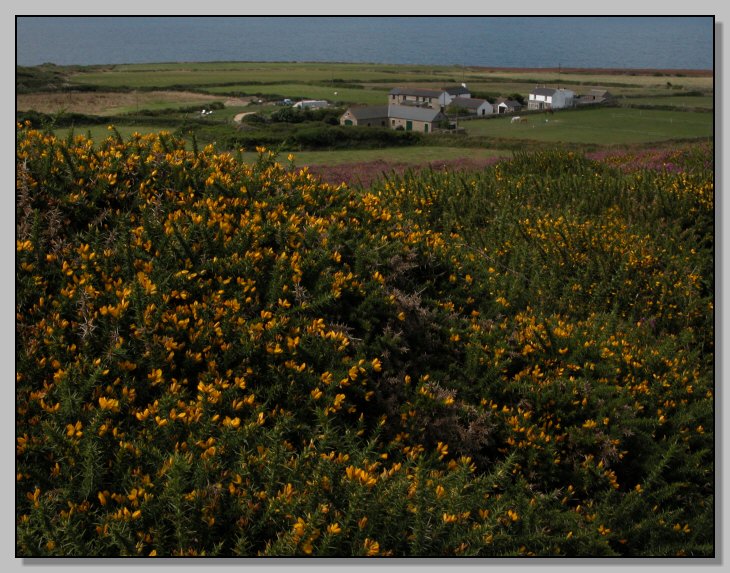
(550,98)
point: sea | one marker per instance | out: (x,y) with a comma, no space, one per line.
(640,42)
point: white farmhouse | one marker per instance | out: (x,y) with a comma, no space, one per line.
(458,91)
(550,98)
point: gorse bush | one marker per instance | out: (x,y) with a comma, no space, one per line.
(219,358)
(288,114)
(318,135)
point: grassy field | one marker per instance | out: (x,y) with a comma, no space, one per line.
(296,91)
(605,126)
(165,75)
(143,75)
(601,126)
(680,102)
(414,154)
(615,82)
(111,103)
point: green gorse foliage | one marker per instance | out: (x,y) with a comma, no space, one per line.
(216,358)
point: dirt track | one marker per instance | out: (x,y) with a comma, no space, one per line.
(240,116)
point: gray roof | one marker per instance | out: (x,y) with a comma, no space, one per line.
(456,90)
(369,112)
(468,102)
(413,113)
(510,103)
(416,92)
(544,91)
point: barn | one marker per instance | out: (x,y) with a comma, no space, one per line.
(372,116)
(505,105)
(473,106)
(412,118)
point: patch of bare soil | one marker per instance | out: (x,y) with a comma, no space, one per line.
(107,103)
(237,101)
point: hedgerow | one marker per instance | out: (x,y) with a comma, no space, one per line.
(219,358)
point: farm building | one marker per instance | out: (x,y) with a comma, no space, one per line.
(435,99)
(311,104)
(415,109)
(458,91)
(413,118)
(373,115)
(473,106)
(595,96)
(550,98)
(504,105)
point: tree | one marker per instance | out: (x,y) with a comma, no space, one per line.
(458,110)
(517,97)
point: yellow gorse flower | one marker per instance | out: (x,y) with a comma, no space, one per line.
(108,404)
(372,547)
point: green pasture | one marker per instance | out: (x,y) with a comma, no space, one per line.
(604,126)
(508,87)
(305,91)
(161,104)
(154,78)
(202,74)
(413,154)
(610,81)
(284,69)
(700,102)
(319,80)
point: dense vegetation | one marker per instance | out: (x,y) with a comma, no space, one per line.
(220,358)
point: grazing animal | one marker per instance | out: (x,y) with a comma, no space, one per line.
(515,119)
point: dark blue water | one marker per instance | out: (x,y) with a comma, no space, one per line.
(608,42)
